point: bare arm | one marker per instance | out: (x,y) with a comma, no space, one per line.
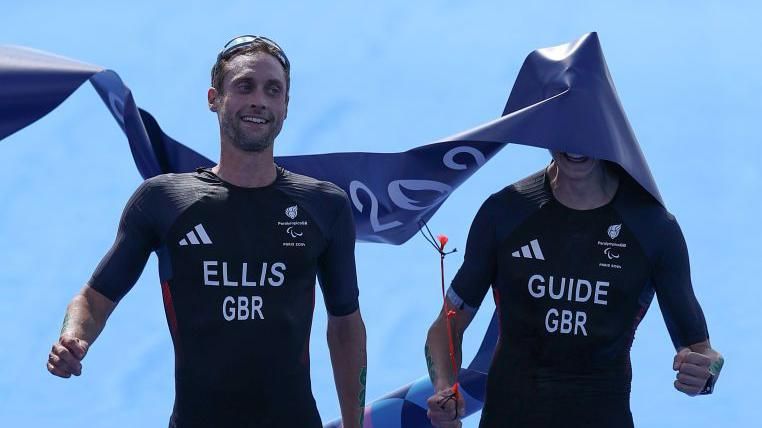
(704,348)
(437,347)
(346,343)
(85,318)
(444,412)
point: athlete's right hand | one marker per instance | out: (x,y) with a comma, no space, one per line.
(446,408)
(65,358)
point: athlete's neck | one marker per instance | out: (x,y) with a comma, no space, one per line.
(592,191)
(246,169)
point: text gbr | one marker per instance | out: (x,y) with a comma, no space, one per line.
(572,290)
(239,308)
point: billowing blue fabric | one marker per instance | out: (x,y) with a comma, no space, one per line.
(33,83)
(563,99)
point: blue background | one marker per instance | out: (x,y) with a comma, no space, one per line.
(373,77)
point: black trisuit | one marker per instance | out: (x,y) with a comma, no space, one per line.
(570,288)
(237,268)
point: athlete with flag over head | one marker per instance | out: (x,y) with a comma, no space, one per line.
(574,255)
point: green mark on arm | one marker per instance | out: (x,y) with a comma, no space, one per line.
(716,366)
(361,396)
(66,321)
(430,364)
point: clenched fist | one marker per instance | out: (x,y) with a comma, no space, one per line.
(65,358)
(446,407)
(695,369)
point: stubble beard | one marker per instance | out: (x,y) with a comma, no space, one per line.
(243,140)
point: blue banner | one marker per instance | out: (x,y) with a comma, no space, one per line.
(563,99)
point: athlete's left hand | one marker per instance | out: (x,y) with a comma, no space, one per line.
(446,408)
(692,370)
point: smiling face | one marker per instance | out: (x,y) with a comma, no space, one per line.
(574,166)
(252,102)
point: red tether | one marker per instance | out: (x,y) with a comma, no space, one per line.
(450,313)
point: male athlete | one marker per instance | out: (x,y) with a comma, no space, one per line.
(574,255)
(239,246)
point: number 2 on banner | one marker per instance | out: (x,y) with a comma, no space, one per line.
(354,186)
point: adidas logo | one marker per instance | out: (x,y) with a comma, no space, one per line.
(530,253)
(194,239)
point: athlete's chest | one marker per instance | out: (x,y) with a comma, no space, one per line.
(260,241)
(242,257)
(573,272)
(593,244)
(246,226)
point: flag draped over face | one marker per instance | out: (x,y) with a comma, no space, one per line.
(563,100)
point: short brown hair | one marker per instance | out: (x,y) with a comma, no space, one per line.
(218,70)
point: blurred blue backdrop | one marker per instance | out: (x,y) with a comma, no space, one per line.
(384,76)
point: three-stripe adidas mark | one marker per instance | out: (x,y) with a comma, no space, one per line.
(193,239)
(530,253)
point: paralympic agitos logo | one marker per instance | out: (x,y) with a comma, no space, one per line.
(293,228)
